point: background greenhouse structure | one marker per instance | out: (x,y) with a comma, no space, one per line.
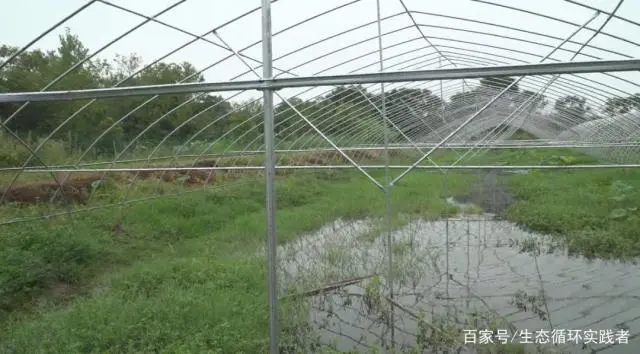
(401,176)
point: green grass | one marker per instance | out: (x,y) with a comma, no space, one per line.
(592,211)
(184,273)
(192,257)
(578,207)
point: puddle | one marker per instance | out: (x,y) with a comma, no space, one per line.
(486,272)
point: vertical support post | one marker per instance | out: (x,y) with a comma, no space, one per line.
(446,191)
(468,264)
(387,188)
(270,171)
(444,122)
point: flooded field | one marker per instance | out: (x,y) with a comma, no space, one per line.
(498,276)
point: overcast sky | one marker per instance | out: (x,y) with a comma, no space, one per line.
(21,21)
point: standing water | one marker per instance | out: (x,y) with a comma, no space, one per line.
(499,276)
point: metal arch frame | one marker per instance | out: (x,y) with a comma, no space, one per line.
(512,8)
(521,30)
(245,149)
(92,55)
(524,105)
(485,107)
(147,19)
(391,16)
(360,26)
(46,32)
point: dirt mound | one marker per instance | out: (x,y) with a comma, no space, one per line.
(186,178)
(206,163)
(332,157)
(75,189)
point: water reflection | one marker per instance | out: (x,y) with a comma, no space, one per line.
(497,273)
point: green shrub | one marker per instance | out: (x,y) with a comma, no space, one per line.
(34,258)
(15,154)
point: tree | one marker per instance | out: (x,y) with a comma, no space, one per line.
(499,83)
(572,108)
(353,94)
(36,69)
(172,119)
(464,103)
(413,110)
(622,105)
(285,116)
(535,102)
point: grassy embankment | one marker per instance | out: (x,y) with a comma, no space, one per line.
(183,273)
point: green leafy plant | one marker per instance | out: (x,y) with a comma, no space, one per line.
(621,194)
(562,160)
(530,303)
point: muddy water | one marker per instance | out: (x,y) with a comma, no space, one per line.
(487,269)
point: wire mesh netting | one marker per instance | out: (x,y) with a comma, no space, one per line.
(439,177)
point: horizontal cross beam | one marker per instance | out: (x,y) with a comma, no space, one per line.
(336,80)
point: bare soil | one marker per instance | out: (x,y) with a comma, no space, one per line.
(76,187)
